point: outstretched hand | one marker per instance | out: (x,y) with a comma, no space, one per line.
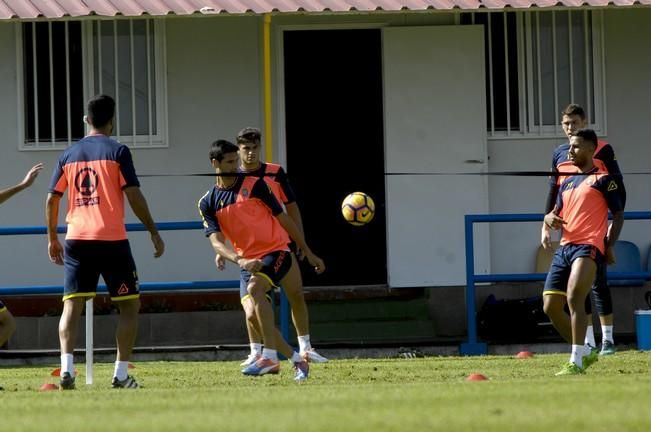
(31,175)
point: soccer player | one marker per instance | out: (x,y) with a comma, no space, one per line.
(7,322)
(581,210)
(248,141)
(96,172)
(573,119)
(243,210)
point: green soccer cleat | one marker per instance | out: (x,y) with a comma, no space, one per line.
(590,359)
(607,348)
(570,369)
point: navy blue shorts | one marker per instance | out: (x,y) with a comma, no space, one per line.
(85,260)
(559,271)
(275,267)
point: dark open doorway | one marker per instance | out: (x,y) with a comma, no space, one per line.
(335,145)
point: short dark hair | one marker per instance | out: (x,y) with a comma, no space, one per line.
(573,109)
(248,134)
(100,110)
(221,148)
(587,135)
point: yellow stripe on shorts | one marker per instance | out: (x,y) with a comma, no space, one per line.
(555,292)
(77,295)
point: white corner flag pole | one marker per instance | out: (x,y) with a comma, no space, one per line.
(89,341)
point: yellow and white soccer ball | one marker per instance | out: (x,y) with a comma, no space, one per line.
(358,208)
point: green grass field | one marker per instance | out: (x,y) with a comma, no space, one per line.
(343,395)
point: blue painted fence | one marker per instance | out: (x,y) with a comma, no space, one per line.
(144,286)
(472,346)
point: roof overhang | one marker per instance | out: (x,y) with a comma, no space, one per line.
(73,9)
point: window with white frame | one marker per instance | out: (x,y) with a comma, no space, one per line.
(65,63)
(536,64)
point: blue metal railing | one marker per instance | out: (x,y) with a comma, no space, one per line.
(473,346)
(144,286)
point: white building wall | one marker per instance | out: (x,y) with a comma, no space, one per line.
(214,88)
(628,96)
(24,258)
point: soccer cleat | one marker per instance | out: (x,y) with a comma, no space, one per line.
(262,367)
(129,383)
(570,369)
(607,348)
(67,381)
(301,371)
(312,356)
(590,359)
(252,358)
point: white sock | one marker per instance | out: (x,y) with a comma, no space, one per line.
(607,333)
(67,364)
(121,368)
(256,348)
(296,358)
(576,357)
(270,354)
(304,343)
(589,336)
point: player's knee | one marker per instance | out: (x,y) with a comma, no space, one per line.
(249,312)
(576,302)
(129,308)
(553,305)
(255,292)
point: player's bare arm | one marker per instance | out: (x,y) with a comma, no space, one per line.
(295,214)
(223,251)
(552,195)
(613,235)
(546,236)
(54,248)
(297,236)
(139,206)
(31,175)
